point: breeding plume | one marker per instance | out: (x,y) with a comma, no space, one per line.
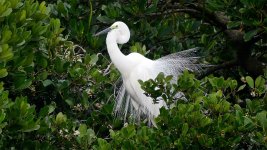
(131,100)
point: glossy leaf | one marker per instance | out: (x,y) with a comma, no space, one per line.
(249,35)
(250,81)
(3,73)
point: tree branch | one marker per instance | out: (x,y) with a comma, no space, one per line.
(211,70)
(234,38)
(215,18)
(167,12)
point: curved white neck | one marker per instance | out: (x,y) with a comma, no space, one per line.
(117,57)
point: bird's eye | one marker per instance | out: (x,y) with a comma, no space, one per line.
(114,26)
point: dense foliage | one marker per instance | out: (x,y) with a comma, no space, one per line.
(56,79)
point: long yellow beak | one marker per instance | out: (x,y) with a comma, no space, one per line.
(103,31)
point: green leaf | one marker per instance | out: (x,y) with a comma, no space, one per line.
(185,129)
(23,15)
(250,81)
(62,9)
(233,24)
(249,35)
(55,25)
(103,144)
(94,59)
(233,84)
(260,81)
(160,76)
(241,87)
(243,10)
(31,127)
(83,130)
(6,52)
(261,117)
(248,123)
(42,7)
(6,13)
(61,118)
(43,75)
(2,115)
(29,60)
(39,29)
(69,101)
(245,2)
(105,19)
(6,35)
(59,65)
(47,82)
(41,61)
(87,59)
(3,73)
(204,38)
(169,78)
(129,131)
(215,4)
(46,110)
(23,83)
(52,107)
(239,117)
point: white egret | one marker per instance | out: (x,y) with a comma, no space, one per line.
(131,100)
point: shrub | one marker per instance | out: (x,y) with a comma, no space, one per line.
(56,80)
(205,120)
(49,86)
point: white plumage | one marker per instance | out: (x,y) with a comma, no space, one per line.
(131,100)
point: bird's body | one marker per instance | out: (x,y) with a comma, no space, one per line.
(131,100)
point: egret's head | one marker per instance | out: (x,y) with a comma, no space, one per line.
(120,30)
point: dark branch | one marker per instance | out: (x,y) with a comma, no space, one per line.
(234,38)
(217,19)
(211,70)
(168,12)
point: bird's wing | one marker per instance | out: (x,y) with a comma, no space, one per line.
(193,52)
(135,103)
(174,64)
(122,99)
(146,106)
(127,106)
(124,104)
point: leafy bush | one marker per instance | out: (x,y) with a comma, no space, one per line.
(56,80)
(206,119)
(48,88)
